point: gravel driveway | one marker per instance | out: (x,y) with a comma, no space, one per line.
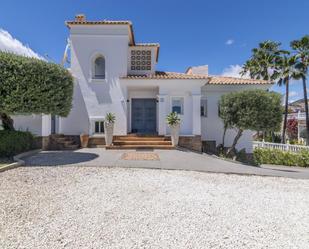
(96,207)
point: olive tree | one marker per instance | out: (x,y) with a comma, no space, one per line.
(256,110)
(32,86)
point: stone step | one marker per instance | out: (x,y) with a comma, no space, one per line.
(134,147)
(96,146)
(96,141)
(71,147)
(142,138)
(141,142)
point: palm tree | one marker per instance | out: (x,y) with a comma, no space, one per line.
(265,64)
(285,71)
(301,49)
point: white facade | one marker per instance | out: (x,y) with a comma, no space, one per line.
(127,78)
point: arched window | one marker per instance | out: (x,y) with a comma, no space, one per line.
(99,68)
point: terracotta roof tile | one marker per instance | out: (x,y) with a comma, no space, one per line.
(213,80)
(102,22)
(147,45)
(223,80)
(166,75)
(81,20)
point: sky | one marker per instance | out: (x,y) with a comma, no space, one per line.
(219,33)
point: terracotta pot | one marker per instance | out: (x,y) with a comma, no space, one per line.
(175,134)
(109,132)
(84,139)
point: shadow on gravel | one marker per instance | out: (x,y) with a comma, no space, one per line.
(56,158)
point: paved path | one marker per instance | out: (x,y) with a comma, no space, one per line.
(168,159)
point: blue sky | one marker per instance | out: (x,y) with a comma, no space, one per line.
(219,33)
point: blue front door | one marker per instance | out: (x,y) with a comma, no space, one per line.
(144,113)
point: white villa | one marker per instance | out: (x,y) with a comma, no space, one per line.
(114,73)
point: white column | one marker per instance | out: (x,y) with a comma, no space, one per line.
(196,114)
(162,101)
(46,125)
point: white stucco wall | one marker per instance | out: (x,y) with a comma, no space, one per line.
(32,123)
(101,95)
(212,126)
(77,122)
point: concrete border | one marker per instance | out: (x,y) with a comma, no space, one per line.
(18,161)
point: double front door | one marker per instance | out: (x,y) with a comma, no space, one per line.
(144,115)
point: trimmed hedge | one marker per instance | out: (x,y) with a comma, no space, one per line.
(29,85)
(279,157)
(15,142)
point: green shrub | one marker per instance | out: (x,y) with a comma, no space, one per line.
(279,157)
(29,85)
(15,142)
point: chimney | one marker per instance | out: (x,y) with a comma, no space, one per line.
(80,18)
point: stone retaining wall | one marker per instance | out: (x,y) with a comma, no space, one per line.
(191,142)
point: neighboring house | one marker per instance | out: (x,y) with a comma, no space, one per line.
(114,73)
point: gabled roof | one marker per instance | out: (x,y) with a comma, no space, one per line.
(224,80)
(81,20)
(212,80)
(101,22)
(147,45)
(166,75)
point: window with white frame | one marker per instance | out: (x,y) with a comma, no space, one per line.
(203,107)
(99,127)
(99,68)
(177,105)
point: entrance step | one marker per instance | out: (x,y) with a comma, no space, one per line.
(62,142)
(135,147)
(141,138)
(141,142)
(136,141)
(96,142)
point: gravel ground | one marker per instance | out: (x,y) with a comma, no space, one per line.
(88,207)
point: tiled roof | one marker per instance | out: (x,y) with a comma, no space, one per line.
(81,20)
(213,80)
(166,75)
(107,22)
(147,45)
(223,80)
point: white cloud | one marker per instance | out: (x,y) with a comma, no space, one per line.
(233,71)
(10,44)
(229,42)
(293,94)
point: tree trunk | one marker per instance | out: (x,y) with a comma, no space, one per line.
(237,137)
(306,108)
(223,137)
(286,109)
(7,122)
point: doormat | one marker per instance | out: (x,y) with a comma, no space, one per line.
(140,156)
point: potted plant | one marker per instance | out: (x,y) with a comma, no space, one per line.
(173,121)
(109,128)
(84,139)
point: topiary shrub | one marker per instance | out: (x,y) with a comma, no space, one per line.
(15,142)
(32,86)
(279,157)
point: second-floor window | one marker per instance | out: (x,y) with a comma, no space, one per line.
(99,68)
